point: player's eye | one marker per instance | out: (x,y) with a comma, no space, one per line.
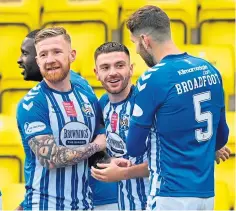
(105,68)
(42,55)
(120,65)
(57,52)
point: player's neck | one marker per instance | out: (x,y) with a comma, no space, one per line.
(62,86)
(165,49)
(116,98)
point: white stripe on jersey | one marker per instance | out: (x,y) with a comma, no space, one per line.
(52,186)
(134,185)
(36,184)
(155,145)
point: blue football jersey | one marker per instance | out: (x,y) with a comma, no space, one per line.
(181,98)
(132,193)
(73,119)
(80,81)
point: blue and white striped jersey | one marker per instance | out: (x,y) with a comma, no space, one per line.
(132,193)
(73,119)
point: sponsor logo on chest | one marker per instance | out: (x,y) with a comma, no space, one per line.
(116,145)
(75,134)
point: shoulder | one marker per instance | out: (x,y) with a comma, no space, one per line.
(103,101)
(157,74)
(35,98)
(80,81)
(84,93)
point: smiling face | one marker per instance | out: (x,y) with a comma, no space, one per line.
(27,61)
(114,71)
(54,56)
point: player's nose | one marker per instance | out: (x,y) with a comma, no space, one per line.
(19,60)
(50,59)
(112,71)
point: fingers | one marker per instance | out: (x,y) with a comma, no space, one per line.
(96,171)
(217,160)
(98,177)
(227,150)
(103,165)
(222,157)
(121,162)
(98,174)
(226,154)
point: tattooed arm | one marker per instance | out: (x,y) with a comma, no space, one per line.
(50,155)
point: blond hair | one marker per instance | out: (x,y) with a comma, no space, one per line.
(51,32)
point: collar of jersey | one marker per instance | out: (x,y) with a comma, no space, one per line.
(129,95)
(55,91)
(174,56)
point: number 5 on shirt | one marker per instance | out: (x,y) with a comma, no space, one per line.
(202,117)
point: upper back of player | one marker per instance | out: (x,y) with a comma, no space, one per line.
(182,97)
(193,95)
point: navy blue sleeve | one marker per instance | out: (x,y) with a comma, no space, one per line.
(136,137)
(223,129)
(222,132)
(99,128)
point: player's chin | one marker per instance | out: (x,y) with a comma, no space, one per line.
(115,89)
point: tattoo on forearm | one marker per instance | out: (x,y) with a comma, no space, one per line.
(52,156)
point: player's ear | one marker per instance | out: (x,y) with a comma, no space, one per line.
(96,73)
(131,69)
(145,41)
(72,56)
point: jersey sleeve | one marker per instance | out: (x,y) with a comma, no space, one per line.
(222,131)
(32,119)
(103,101)
(100,128)
(150,93)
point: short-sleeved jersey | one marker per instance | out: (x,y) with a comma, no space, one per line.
(132,193)
(73,119)
(182,99)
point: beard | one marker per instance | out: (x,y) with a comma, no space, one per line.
(125,82)
(54,76)
(32,74)
(148,59)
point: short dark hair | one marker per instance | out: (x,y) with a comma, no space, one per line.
(109,47)
(33,33)
(153,18)
(51,32)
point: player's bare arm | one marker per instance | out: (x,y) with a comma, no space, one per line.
(50,155)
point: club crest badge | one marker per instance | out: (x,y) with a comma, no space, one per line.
(124,122)
(87,110)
